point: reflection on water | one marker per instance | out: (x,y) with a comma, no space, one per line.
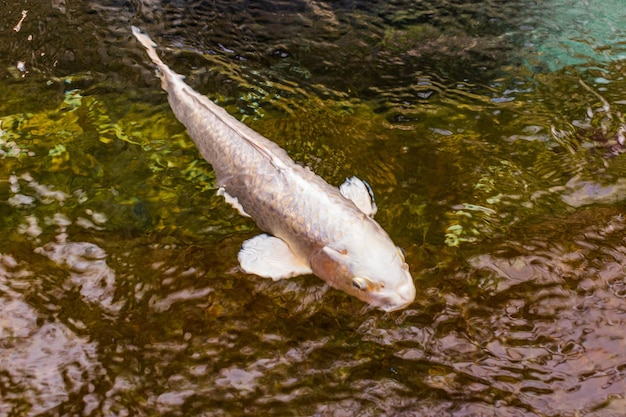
(492,136)
(88,270)
(44,363)
(571,325)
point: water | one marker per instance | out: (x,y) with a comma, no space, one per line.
(490,132)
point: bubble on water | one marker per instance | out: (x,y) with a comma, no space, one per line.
(21,66)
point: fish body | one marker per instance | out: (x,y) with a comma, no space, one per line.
(311,226)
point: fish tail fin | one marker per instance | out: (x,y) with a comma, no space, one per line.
(148,44)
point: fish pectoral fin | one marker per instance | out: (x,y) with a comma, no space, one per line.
(361,194)
(233,201)
(270,257)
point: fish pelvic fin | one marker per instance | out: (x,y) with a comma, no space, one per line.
(361,194)
(233,201)
(270,257)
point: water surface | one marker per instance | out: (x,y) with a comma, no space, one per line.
(491,132)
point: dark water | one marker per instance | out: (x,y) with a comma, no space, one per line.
(491,132)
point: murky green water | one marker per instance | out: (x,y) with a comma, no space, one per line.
(491,133)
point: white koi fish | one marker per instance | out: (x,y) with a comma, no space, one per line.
(312,227)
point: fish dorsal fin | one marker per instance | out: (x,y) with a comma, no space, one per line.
(270,150)
(361,194)
(270,257)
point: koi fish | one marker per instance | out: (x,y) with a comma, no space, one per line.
(310,226)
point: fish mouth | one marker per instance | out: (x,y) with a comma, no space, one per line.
(399,299)
(387,308)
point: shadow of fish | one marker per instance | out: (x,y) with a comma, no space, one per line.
(312,226)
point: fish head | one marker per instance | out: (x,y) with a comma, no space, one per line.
(367,265)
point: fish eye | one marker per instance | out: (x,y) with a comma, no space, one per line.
(359,283)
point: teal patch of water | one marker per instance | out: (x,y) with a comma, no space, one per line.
(563,33)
